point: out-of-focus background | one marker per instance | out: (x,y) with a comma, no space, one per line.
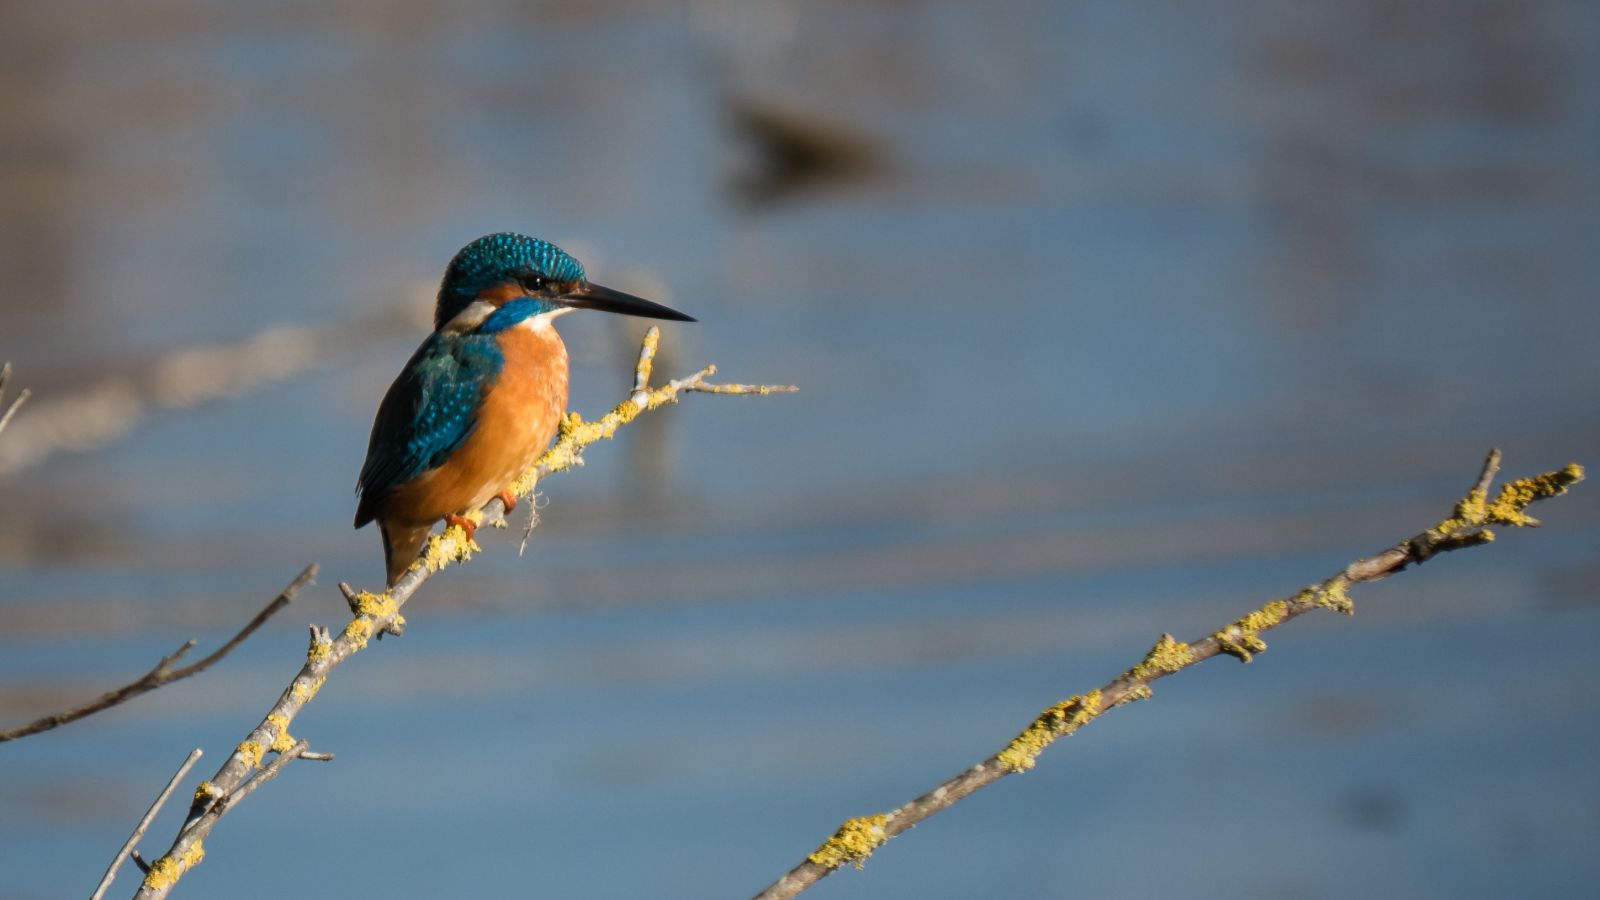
(1111,319)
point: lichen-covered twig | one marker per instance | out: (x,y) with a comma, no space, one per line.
(1468,526)
(378,614)
(144,823)
(163,673)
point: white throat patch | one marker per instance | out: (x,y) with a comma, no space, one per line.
(542,321)
(478,311)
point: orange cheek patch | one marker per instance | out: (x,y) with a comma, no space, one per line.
(500,293)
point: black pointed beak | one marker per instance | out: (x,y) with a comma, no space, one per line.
(594,296)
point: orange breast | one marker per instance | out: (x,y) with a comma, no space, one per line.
(520,414)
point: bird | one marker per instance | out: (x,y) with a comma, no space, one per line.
(484,394)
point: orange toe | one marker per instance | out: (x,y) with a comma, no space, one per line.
(466,524)
(508,499)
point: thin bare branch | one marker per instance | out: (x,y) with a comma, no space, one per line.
(22,397)
(758,389)
(163,673)
(144,823)
(185,377)
(267,773)
(1491,468)
(376,614)
(1467,526)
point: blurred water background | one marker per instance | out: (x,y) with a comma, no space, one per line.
(1111,319)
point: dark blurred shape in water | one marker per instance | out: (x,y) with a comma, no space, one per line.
(795,151)
(1374,809)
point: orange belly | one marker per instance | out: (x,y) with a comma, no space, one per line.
(519,416)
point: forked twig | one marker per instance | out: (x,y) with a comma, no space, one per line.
(163,673)
(144,823)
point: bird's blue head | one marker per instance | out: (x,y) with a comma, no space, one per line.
(526,276)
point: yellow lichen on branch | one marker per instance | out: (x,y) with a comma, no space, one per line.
(1333,595)
(375,606)
(357,632)
(1243,638)
(280,726)
(303,691)
(758,390)
(250,752)
(1168,655)
(1469,512)
(1053,724)
(1509,505)
(576,433)
(370,614)
(318,649)
(166,871)
(852,843)
(451,545)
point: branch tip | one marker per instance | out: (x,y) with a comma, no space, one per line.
(1491,468)
(1168,655)
(1508,507)
(167,661)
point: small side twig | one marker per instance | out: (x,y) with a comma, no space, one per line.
(352,599)
(163,673)
(144,823)
(267,773)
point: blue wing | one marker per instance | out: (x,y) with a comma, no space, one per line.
(429,410)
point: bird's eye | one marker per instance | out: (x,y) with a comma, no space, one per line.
(533,283)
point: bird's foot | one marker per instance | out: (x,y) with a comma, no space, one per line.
(467,525)
(509,499)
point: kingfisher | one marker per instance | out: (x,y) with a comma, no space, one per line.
(483,396)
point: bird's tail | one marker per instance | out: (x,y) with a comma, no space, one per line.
(400,546)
